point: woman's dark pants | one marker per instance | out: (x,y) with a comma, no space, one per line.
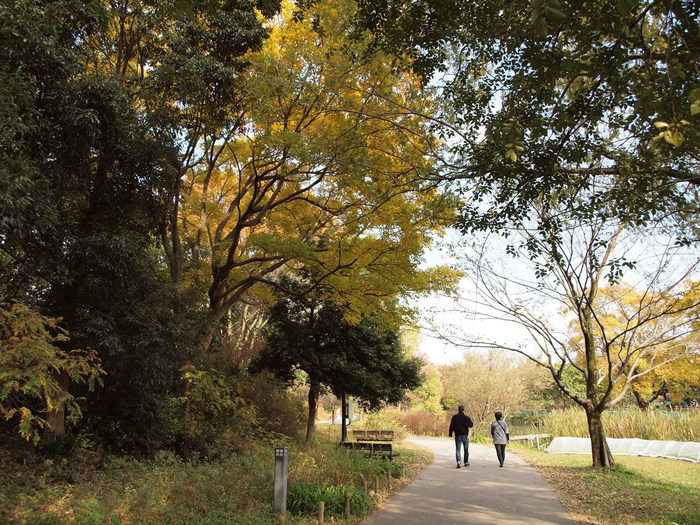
(501,453)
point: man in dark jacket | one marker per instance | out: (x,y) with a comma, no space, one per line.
(460,425)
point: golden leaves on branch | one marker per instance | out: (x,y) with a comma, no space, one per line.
(671,132)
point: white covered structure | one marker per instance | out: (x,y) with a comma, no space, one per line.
(687,450)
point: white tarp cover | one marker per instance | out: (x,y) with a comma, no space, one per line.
(687,450)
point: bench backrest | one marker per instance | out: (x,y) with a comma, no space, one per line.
(373,435)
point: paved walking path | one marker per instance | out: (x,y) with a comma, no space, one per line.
(481,494)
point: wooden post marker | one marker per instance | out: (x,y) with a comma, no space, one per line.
(321,511)
(347,504)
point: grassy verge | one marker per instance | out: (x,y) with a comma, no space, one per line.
(237,490)
(636,491)
(375,478)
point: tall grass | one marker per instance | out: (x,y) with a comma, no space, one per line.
(631,423)
(437,425)
(235,490)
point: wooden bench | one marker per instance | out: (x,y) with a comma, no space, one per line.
(375,443)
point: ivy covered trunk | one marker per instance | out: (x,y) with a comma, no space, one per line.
(56,408)
(599,445)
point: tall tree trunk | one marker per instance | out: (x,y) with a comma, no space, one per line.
(313,402)
(344,418)
(599,445)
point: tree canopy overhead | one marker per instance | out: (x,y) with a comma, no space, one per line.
(328,169)
(547,94)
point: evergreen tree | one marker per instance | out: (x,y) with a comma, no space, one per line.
(360,360)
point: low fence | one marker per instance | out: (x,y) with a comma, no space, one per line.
(685,450)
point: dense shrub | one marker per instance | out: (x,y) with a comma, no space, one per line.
(386,420)
(35,372)
(425,423)
(277,409)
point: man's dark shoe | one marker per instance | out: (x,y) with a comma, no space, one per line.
(466,463)
(459,466)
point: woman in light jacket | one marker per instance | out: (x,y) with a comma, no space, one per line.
(501,437)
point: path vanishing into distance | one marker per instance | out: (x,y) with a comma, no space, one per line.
(482,493)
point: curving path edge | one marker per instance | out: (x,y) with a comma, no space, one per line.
(480,494)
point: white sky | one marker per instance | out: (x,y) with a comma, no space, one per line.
(442,312)
(441,352)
